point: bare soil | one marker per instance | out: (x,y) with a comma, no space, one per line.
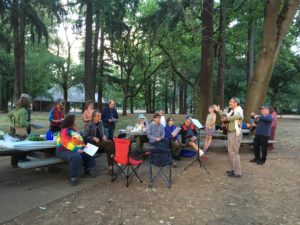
(267,194)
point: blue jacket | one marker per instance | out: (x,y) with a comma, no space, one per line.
(109,114)
(263,126)
(168,132)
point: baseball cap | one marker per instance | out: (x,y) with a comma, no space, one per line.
(141,116)
(187,117)
(264,107)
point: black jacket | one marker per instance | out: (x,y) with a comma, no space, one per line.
(109,114)
(91,131)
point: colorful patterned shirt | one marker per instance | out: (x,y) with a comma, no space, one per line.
(69,139)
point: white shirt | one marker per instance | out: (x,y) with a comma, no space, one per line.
(163,121)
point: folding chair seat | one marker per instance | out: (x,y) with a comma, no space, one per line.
(160,161)
(124,164)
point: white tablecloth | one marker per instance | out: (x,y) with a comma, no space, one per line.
(26,145)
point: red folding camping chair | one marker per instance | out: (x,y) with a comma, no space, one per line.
(123,163)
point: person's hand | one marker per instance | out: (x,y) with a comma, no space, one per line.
(194,138)
(110,120)
(80,151)
(157,139)
(173,135)
(224,119)
(104,138)
(217,108)
(253,114)
(96,140)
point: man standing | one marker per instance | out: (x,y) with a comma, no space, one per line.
(262,134)
(110,118)
(234,136)
(156,133)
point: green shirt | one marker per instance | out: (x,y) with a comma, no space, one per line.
(18,117)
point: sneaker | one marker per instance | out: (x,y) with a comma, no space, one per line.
(260,162)
(229,171)
(233,175)
(254,160)
(74,181)
(174,165)
(176,157)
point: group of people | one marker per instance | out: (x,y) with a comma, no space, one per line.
(160,132)
(98,130)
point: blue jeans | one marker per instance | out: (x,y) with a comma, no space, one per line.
(163,143)
(75,161)
(109,133)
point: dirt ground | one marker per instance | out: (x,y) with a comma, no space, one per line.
(268,194)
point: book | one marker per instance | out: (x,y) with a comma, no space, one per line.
(90,149)
(176,131)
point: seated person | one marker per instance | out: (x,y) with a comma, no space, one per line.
(94,134)
(189,134)
(156,133)
(69,148)
(173,139)
(140,126)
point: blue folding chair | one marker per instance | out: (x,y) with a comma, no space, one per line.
(160,161)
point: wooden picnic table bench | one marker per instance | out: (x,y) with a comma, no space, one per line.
(40,152)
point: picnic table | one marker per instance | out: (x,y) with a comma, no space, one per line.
(8,148)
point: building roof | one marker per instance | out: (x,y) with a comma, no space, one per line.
(75,94)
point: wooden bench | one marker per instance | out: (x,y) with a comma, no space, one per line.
(39,162)
(250,142)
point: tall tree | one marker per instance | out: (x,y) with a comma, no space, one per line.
(221,55)
(278,18)
(204,85)
(90,79)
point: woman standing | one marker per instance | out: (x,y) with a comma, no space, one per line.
(210,127)
(19,120)
(69,147)
(87,114)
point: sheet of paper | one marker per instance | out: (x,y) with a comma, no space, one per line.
(90,149)
(176,131)
(197,123)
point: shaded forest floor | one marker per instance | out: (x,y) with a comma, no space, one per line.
(267,194)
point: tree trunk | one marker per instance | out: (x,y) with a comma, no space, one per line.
(22,25)
(166,97)
(15,28)
(95,48)
(131,104)
(221,56)
(174,97)
(101,71)
(65,93)
(124,113)
(148,99)
(89,79)
(204,89)
(182,98)
(153,94)
(278,18)
(250,53)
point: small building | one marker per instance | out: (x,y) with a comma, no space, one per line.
(76,98)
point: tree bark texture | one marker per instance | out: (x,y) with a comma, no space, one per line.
(204,90)
(182,98)
(221,56)
(174,97)
(89,79)
(166,96)
(278,18)
(250,53)
(101,71)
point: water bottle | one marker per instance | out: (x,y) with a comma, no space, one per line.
(49,135)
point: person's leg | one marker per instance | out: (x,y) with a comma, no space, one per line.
(236,163)
(175,148)
(264,148)
(230,147)
(74,160)
(272,136)
(256,148)
(88,163)
(111,133)
(106,132)
(209,139)
(139,144)
(109,148)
